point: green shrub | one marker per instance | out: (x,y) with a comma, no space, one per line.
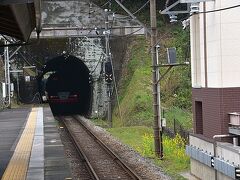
(174,158)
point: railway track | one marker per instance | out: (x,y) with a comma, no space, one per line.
(100,161)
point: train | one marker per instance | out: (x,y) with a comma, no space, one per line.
(65,83)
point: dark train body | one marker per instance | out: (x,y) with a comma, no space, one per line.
(67,87)
(62,95)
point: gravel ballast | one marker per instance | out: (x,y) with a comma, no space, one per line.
(144,167)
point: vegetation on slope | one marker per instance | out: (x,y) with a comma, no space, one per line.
(135,88)
(176,86)
(136,85)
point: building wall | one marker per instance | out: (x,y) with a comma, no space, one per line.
(202,171)
(215,48)
(216,104)
(198,169)
(225,151)
(222,60)
(210,99)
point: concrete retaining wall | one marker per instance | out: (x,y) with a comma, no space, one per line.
(224,151)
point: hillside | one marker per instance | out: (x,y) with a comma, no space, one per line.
(135,87)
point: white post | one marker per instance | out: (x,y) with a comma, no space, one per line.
(7,74)
(158,88)
(235,141)
(4,90)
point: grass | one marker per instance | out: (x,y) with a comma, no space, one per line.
(100,122)
(131,135)
(182,116)
(135,89)
(141,139)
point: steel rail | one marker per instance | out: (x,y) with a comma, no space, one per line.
(115,157)
(80,151)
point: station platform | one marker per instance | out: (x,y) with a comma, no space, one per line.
(30,146)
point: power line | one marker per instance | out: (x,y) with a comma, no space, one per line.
(216,10)
(100,8)
(127,35)
(99,60)
(143,6)
(134,17)
(116,91)
(105,3)
(212,11)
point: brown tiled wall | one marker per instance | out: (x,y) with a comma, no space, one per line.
(198,117)
(216,104)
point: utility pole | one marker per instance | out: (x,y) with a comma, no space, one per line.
(156,90)
(7,74)
(107,49)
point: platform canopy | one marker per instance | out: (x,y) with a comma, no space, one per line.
(18,18)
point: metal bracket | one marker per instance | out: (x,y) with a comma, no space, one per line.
(15,52)
(194,1)
(170,66)
(133,17)
(188,2)
(168,9)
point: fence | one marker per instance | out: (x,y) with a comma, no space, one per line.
(176,129)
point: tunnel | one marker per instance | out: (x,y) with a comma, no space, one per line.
(65,81)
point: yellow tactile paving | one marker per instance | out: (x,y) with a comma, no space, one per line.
(18,165)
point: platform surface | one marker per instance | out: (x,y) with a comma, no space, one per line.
(30,145)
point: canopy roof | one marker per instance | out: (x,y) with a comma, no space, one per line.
(18,18)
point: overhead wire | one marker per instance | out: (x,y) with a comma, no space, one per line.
(105,3)
(97,64)
(24,59)
(100,8)
(142,7)
(33,59)
(127,35)
(211,11)
(115,87)
(116,90)
(114,77)
(216,10)
(114,19)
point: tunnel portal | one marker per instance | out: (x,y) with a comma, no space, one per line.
(66,82)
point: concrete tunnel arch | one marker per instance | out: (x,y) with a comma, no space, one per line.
(77,76)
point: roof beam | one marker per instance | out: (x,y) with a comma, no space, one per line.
(8,22)
(38,6)
(23,15)
(19,17)
(9,2)
(194,1)
(62,32)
